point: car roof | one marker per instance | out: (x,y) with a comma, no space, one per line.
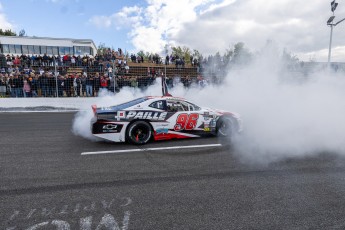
(166,97)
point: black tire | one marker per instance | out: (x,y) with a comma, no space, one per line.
(139,133)
(225,127)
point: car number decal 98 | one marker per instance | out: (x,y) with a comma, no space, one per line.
(186,121)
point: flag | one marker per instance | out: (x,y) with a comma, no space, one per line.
(165,87)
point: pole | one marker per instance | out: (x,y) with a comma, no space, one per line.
(56,81)
(114,76)
(330,46)
(164,92)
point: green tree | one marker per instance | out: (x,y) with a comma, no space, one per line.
(7,32)
(182,52)
(196,54)
(291,61)
(144,55)
(241,54)
(101,49)
(22,33)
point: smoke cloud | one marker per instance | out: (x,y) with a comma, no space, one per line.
(285,114)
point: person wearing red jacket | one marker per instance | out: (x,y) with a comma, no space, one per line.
(104,82)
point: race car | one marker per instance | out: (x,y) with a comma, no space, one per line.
(161,118)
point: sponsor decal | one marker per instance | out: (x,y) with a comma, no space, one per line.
(120,115)
(109,127)
(99,128)
(156,116)
(207,127)
(105,108)
(162,131)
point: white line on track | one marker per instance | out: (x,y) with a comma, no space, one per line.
(151,149)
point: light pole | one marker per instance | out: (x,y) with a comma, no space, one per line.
(331,24)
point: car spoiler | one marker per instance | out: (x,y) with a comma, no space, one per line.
(94,109)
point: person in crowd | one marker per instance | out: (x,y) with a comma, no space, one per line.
(33,80)
(104,82)
(21,84)
(134,82)
(89,85)
(73,61)
(111,84)
(61,85)
(97,84)
(27,89)
(83,85)
(66,60)
(15,86)
(44,84)
(51,85)
(127,68)
(68,85)
(78,84)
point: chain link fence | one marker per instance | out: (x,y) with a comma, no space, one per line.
(85,76)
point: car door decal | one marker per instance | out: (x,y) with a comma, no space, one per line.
(186,121)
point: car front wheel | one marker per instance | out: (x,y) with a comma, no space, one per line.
(139,132)
(225,127)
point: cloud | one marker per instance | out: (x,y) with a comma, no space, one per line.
(213,25)
(127,17)
(295,25)
(4,23)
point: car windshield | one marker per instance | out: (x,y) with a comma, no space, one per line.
(130,103)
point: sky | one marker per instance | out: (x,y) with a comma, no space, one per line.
(209,26)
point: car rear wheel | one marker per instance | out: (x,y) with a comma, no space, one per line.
(139,132)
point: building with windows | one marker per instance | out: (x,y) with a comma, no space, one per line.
(18,45)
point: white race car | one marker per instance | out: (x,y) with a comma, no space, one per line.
(161,118)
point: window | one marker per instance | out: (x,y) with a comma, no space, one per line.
(18,49)
(37,50)
(192,107)
(49,50)
(61,50)
(31,50)
(11,49)
(176,105)
(69,50)
(158,105)
(43,49)
(77,50)
(55,50)
(87,50)
(129,104)
(5,48)
(82,50)
(25,49)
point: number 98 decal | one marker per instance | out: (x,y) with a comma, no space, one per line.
(186,121)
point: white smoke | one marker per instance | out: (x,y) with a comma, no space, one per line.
(284,115)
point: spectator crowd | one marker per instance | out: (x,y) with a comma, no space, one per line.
(52,76)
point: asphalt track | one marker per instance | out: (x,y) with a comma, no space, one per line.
(47,184)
